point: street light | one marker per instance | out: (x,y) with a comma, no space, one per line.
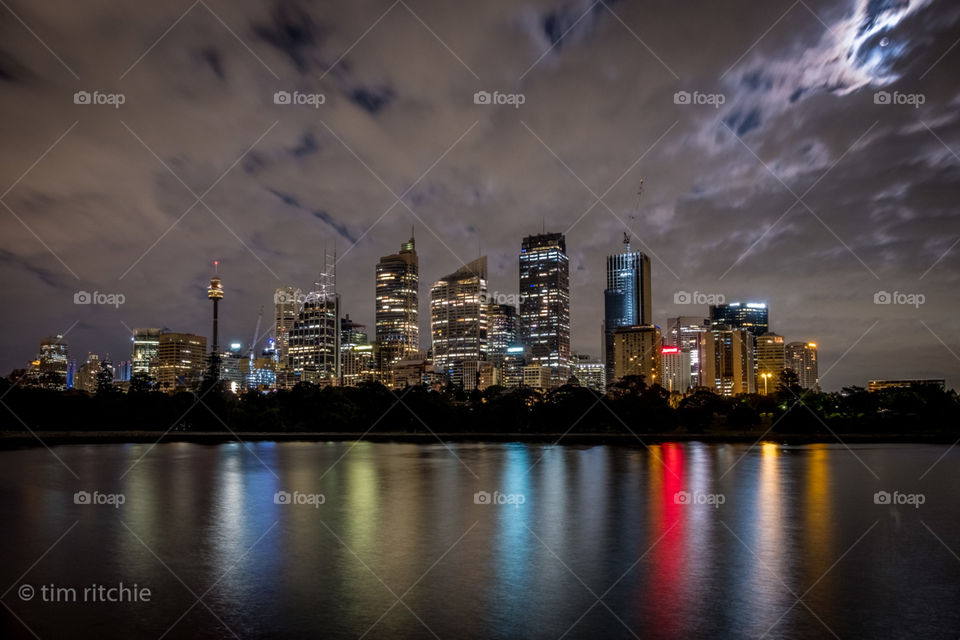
(764,376)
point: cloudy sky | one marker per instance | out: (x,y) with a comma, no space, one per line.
(804,154)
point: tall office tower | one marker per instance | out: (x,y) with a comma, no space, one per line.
(181,360)
(626,300)
(458,316)
(770,362)
(752,316)
(545,303)
(50,367)
(315,338)
(234,367)
(143,352)
(802,358)
(397,305)
(727,361)
(636,352)
(86,377)
(501,331)
(356,353)
(682,332)
(675,363)
(287,302)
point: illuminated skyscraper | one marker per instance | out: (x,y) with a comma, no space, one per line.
(356,353)
(315,338)
(802,358)
(770,362)
(287,302)
(545,303)
(397,305)
(458,316)
(727,361)
(682,332)
(143,352)
(636,352)
(50,367)
(501,331)
(181,358)
(675,366)
(752,316)
(626,300)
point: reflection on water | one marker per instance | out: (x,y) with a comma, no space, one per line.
(678,540)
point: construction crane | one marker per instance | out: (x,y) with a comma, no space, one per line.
(626,234)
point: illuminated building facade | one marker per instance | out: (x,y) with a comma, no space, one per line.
(181,361)
(770,362)
(458,316)
(143,351)
(287,302)
(682,332)
(314,345)
(357,363)
(397,305)
(752,316)
(802,358)
(636,352)
(727,361)
(589,373)
(86,376)
(675,365)
(545,303)
(50,368)
(626,300)
(880,385)
(502,331)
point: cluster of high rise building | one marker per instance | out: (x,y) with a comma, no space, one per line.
(477,338)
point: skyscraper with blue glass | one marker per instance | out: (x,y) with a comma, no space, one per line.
(626,300)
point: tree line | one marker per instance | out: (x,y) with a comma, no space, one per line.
(629,406)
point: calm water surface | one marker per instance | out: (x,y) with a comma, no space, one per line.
(676,541)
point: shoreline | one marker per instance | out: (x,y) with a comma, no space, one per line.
(21,439)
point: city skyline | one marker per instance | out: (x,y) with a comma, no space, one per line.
(291,303)
(776,168)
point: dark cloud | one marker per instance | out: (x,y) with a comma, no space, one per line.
(294,31)
(211,57)
(373,99)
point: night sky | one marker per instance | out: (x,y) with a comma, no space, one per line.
(805,188)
